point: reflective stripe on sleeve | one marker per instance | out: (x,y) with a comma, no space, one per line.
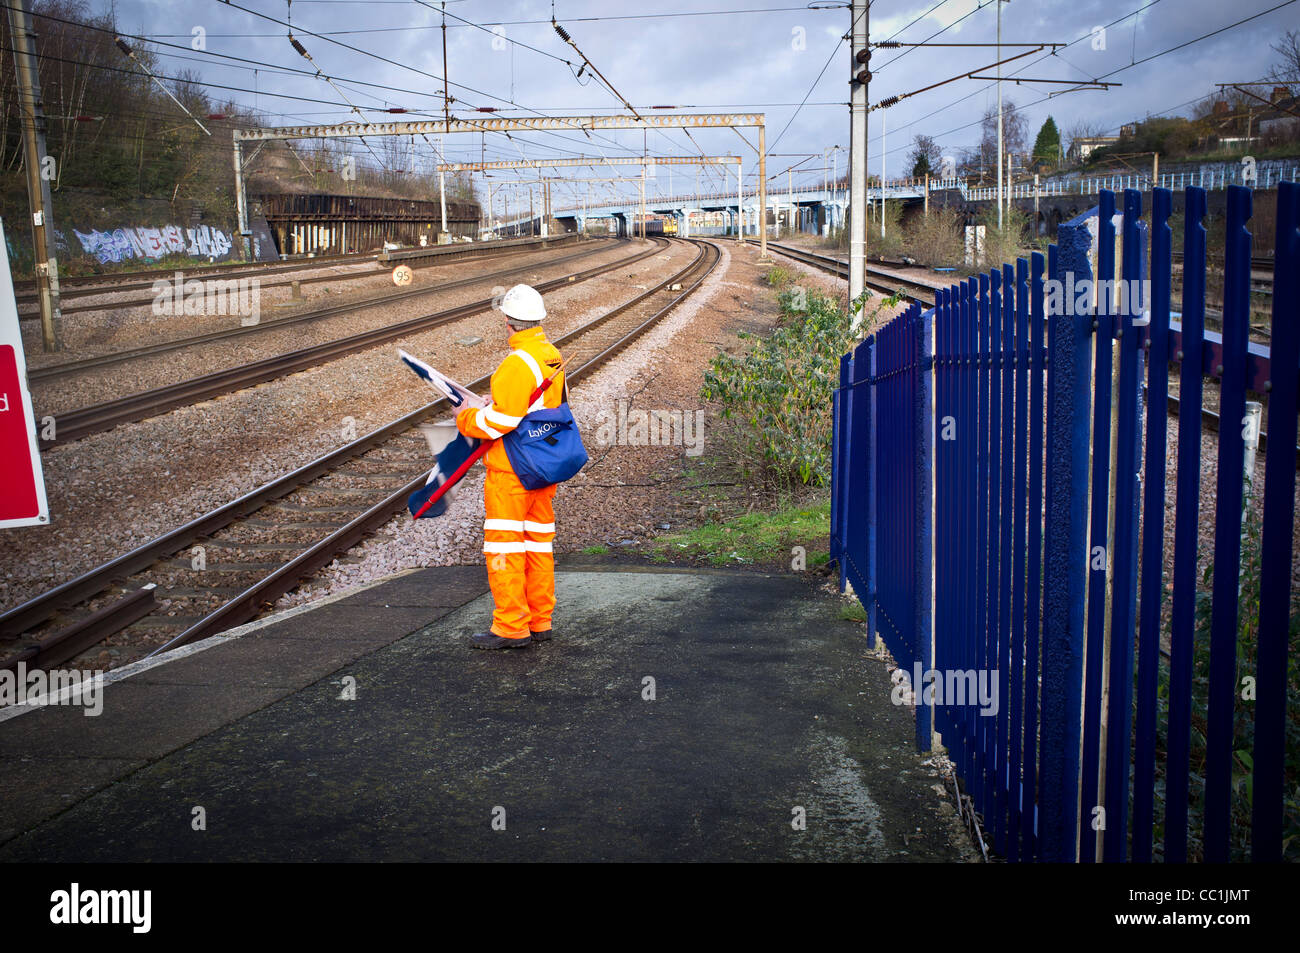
(480,420)
(500,419)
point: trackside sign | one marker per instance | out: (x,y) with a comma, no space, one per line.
(22,486)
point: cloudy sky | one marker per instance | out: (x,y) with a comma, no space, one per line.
(763,56)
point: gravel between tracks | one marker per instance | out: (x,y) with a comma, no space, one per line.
(116,490)
(97,385)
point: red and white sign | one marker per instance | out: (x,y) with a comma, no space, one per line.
(22,485)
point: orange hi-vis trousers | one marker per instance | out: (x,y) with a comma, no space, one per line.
(518,533)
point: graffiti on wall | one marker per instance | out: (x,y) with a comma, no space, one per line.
(124,244)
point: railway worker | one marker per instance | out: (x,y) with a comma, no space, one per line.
(520,524)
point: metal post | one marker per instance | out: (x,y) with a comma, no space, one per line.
(761,218)
(1008,181)
(241,200)
(858,163)
(1035,205)
(442,201)
(740,210)
(835,177)
(884,151)
(789,184)
(38,186)
(1000,2)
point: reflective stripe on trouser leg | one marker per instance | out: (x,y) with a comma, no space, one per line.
(539,532)
(505,503)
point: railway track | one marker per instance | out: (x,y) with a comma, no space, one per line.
(882,281)
(267,542)
(486,252)
(72,368)
(1257,262)
(73,286)
(82,422)
(1209,418)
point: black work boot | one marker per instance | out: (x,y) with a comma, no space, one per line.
(543,636)
(490,640)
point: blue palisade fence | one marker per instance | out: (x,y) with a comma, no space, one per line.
(1006,503)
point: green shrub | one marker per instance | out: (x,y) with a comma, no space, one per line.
(889,245)
(937,239)
(780,391)
(1003,245)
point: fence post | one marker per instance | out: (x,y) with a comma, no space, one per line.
(1227,529)
(1275,540)
(1153,526)
(1065,554)
(840,411)
(923,424)
(1124,559)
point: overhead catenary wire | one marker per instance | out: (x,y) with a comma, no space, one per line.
(302,51)
(385,59)
(594,19)
(983,89)
(130,54)
(343,85)
(1113,72)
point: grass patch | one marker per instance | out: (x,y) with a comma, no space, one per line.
(755,538)
(595,550)
(779,276)
(853,611)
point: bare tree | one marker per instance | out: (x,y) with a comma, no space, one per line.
(1015,128)
(1286,72)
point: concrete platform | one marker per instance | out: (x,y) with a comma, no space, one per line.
(764,702)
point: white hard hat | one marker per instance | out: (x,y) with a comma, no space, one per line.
(523,303)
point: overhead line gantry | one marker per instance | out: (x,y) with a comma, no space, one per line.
(509,124)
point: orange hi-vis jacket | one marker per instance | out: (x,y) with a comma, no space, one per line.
(532,359)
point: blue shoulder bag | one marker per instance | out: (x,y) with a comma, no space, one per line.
(546,448)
